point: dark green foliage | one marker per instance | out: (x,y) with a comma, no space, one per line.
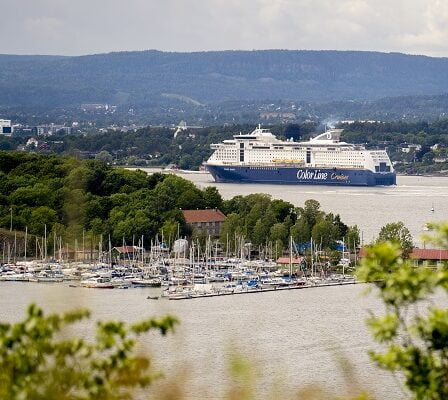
(212,198)
(39,361)
(94,197)
(324,234)
(261,220)
(398,234)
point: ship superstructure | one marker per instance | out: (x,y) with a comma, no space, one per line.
(260,157)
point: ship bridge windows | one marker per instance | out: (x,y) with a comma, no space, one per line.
(241,152)
(308,155)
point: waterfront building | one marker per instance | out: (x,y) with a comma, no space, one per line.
(283,262)
(5,127)
(429,258)
(126,252)
(208,221)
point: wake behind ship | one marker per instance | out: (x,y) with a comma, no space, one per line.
(259,157)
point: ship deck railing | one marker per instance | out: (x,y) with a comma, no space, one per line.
(299,164)
(272,165)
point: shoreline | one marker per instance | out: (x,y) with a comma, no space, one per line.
(190,171)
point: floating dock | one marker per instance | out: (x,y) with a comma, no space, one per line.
(187,296)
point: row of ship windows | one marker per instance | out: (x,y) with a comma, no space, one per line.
(270,159)
(270,156)
(292,154)
(296,150)
(317,157)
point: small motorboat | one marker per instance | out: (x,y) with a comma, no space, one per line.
(153,297)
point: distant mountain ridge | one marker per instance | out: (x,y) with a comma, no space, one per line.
(145,78)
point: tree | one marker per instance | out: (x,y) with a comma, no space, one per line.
(292,131)
(397,233)
(186,162)
(279,232)
(169,230)
(191,199)
(310,212)
(341,227)
(40,217)
(428,157)
(281,209)
(212,198)
(260,232)
(230,228)
(104,156)
(277,249)
(300,232)
(414,330)
(325,234)
(37,361)
(352,238)
(5,145)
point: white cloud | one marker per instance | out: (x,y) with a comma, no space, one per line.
(92,26)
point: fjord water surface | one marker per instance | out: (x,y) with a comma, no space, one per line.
(294,338)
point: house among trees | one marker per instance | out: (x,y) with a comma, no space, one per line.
(429,258)
(283,262)
(208,221)
(69,253)
(126,252)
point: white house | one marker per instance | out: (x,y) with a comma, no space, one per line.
(5,127)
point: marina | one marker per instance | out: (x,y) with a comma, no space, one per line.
(223,291)
(185,270)
(176,284)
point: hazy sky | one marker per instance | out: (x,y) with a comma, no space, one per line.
(73,27)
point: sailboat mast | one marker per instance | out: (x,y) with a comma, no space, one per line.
(312,260)
(26,239)
(45,245)
(290,257)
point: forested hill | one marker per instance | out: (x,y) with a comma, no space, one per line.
(153,77)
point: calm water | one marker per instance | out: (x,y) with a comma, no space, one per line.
(292,337)
(368,207)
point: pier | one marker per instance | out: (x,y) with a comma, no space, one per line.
(218,293)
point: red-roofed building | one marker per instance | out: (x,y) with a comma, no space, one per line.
(209,221)
(284,261)
(127,252)
(429,257)
(422,257)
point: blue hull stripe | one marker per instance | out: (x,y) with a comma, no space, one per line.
(294,175)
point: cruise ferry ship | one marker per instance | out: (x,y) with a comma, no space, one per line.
(323,160)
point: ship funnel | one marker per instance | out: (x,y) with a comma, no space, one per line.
(332,135)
